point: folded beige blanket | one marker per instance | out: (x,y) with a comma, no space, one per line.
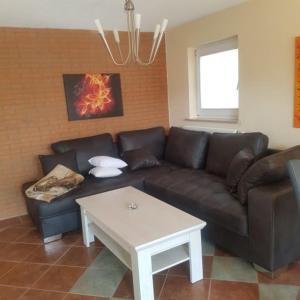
(58,182)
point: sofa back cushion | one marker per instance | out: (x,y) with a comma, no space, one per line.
(86,148)
(267,170)
(224,146)
(152,139)
(187,148)
(67,159)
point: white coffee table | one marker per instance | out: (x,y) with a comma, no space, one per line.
(148,240)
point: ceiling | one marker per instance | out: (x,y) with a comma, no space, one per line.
(79,14)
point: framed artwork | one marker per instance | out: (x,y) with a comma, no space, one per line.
(91,96)
(297,85)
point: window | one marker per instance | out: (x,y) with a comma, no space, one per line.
(218,80)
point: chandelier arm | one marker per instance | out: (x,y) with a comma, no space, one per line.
(120,52)
(147,63)
(117,41)
(131,32)
(154,46)
(157,47)
(137,43)
(155,36)
(154,50)
(123,63)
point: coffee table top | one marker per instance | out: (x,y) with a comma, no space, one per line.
(153,220)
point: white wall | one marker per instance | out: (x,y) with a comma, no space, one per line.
(266,31)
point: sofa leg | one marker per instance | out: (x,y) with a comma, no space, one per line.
(52,238)
(271,275)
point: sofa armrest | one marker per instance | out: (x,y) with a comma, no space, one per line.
(274,225)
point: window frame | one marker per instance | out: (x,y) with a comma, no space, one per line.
(221,114)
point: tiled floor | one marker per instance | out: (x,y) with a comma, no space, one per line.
(65,269)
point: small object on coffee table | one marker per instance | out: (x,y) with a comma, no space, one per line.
(155,238)
(132,206)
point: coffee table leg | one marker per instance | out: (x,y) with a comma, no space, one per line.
(88,236)
(196,270)
(142,276)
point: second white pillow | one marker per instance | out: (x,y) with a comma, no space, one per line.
(100,172)
(107,162)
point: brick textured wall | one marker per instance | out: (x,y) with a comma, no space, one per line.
(32,101)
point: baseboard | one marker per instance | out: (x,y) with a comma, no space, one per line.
(14,217)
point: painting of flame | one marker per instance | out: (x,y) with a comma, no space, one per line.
(92,96)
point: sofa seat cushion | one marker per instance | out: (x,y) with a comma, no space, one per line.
(163,169)
(202,195)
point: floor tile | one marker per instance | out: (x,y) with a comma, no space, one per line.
(17,252)
(24,274)
(208,249)
(97,282)
(96,243)
(221,252)
(278,292)
(71,238)
(125,289)
(26,221)
(10,222)
(113,298)
(59,278)
(207,266)
(81,297)
(12,233)
(106,261)
(32,237)
(3,245)
(291,276)
(232,269)
(6,266)
(180,270)
(184,270)
(79,256)
(10,293)
(179,288)
(102,278)
(42,295)
(48,253)
(220,290)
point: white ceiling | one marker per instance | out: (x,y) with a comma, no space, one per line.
(79,14)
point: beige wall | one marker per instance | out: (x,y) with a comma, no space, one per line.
(266,31)
(33,109)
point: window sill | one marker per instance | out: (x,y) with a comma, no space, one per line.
(215,120)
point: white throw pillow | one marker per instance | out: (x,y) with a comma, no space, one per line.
(107,162)
(100,172)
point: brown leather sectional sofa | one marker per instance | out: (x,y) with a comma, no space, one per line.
(257,218)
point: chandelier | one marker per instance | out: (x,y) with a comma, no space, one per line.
(134,26)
